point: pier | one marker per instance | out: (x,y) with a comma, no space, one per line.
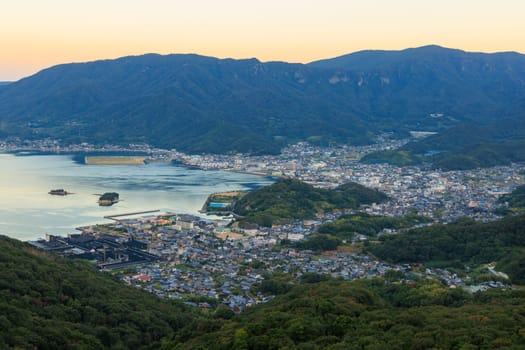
(112,217)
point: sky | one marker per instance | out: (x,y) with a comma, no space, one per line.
(35,34)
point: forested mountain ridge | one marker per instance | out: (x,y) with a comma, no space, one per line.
(203,104)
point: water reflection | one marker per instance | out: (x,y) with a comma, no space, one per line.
(28,211)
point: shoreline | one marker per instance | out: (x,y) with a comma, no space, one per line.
(79,157)
(58,218)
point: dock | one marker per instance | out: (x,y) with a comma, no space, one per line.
(112,217)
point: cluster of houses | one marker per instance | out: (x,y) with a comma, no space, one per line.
(444,196)
(184,257)
(441,195)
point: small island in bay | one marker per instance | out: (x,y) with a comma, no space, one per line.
(59,192)
(108,199)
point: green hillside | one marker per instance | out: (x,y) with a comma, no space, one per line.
(462,147)
(516,199)
(48,302)
(374,314)
(369,225)
(290,199)
(464,241)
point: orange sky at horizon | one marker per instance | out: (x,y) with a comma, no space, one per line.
(38,34)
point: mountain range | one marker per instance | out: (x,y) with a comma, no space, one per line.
(203,104)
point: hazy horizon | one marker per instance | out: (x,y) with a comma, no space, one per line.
(39,34)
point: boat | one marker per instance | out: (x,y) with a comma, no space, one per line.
(59,192)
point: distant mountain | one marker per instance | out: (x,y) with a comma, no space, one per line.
(435,80)
(193,103)
(203,104)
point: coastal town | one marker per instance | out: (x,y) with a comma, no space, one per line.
(443,196)
(205,260)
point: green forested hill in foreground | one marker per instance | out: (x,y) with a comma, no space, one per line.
(374,315)
(290,199)
(464,241)
(516,199)
(53,303)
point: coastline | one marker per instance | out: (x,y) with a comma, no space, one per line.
(168,188)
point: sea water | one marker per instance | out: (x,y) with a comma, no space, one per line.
(28,212)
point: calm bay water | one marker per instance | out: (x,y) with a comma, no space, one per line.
(27,211)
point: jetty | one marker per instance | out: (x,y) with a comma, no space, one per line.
(112,217)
